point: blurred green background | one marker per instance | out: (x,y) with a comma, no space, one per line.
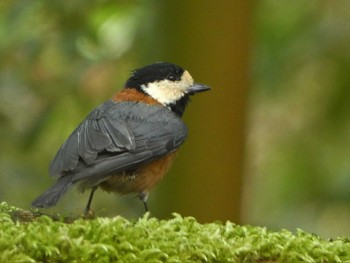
(269,145)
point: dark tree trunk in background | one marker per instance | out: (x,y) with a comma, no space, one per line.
(212,40)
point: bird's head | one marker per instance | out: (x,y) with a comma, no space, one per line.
(167,83)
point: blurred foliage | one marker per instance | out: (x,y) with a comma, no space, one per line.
(58,60)
(299,140)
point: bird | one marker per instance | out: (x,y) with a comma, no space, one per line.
(127,144)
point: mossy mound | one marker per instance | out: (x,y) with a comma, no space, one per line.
(40,238)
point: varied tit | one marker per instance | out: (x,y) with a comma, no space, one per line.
(127,144)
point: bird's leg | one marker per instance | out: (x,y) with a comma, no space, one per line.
(143,197)
(87,208)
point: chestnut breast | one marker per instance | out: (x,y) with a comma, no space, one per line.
(141,180)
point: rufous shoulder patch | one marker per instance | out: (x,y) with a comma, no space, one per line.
(129,94)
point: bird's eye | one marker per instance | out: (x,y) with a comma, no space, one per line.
(171,77)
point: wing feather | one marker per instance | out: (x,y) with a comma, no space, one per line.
(116,137)
(119,134)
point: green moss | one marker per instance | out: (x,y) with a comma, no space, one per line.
(47,239)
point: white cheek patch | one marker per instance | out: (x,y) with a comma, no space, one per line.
(165,91)
(168,92)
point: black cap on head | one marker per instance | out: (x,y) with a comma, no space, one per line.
(154,72)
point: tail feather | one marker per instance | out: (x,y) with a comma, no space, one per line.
(54,193)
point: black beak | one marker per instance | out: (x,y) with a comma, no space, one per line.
(196,87)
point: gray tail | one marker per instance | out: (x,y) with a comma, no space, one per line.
(54,193)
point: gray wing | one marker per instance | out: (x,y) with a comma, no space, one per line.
(97,133)
(116,137)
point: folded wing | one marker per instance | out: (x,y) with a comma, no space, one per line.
(118,136)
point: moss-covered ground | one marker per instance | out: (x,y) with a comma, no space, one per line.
(27,236)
